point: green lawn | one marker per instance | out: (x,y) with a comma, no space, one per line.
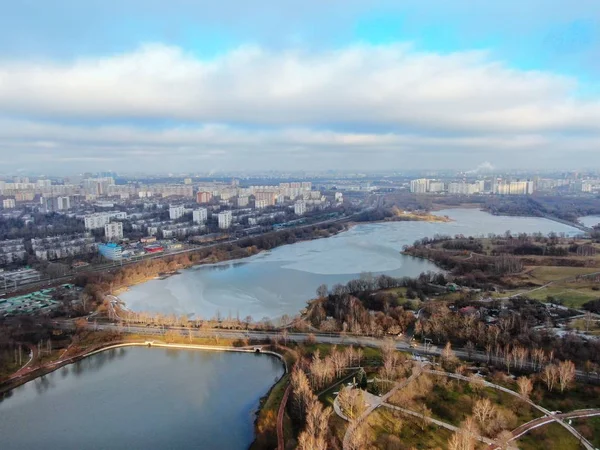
(590,429)
(551,436)
(573,298)
(391,429)
(455,402)
(582,396)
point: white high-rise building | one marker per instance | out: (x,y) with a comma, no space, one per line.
(436,186)
(113,231)
(8,203)
(225,219)
(299,208)
(419,186)
(98,220)
(175,212)
(200,215)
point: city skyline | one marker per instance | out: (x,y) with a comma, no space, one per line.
(224,88)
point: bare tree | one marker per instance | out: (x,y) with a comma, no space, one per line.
(301,390)
(465,436)
(566,374)
(358,437)
(525,386)
(322,291)
(359,355)
(314,436)
(352,402)
(504,439)
(550,375)
(483,412)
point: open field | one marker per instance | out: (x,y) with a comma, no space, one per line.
(551,436)
(550,273)
(571,297)
(581,396)
(391,429)
(590,429)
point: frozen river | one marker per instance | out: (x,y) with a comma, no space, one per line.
(281,281)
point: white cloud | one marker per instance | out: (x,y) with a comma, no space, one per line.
(389,85)
(257,107)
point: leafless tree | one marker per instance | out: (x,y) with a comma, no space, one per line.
(525,386)
(566,374)
(550,375)
(314,436)
(483,412)
(465,436)
(352,402)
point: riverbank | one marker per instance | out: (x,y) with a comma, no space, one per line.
(238,251)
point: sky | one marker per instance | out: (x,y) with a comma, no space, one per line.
(198,86)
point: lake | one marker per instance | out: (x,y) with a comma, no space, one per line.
(590,221)
(141,398)
(280,281)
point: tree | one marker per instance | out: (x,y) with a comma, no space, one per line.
(483,412)
(352,402)
(566,374)
(357,437)
(504,439)
(549,376)
(525,386)
(301,392)
(465,436)
(314,436)
(322,291)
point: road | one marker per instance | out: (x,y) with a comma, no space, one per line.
(409,347)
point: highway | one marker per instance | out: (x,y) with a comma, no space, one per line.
(332,338)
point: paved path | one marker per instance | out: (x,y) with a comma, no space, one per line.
(280,413)
(541,421)
(438,422)
(352,426)
(33,354)
(545,411)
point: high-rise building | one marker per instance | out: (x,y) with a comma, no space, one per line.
(175,212)
(200,215)
(8,203)
(242,201)
(436,186)
(225,219)
(98,220)
(203,197)
(113,231)
(419,186)
(187,181)
(299,208)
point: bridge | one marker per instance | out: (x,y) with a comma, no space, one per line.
(577,225)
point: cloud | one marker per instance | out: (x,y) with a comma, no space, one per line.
(257,107)
(362,84)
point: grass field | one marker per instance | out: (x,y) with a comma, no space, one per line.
(573,298)
(551,273)
(391,429)
(590,429)
(552,436)
(582,396)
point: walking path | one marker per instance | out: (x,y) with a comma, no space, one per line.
(26,367)
(280,413)
(546,412)
(541,421)
(352,426)
(518,432)
(437,422)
